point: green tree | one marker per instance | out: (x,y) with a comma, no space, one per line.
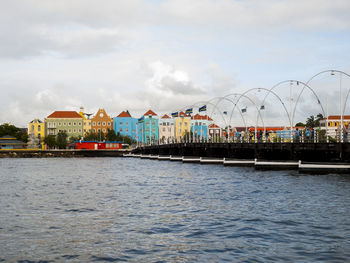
(314,121)
(300,124)
(50,141)
(110,136)
(91,136)
(9,129)
(61,139)
(74,139)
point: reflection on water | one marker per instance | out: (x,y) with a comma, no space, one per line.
(119,209)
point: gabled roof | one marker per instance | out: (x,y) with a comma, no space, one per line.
(150,112)
(213,126)
(124,114)
(182,114)
(165,116)
(64,114)
(201,117)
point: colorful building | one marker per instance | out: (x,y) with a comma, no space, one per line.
(166,129)
(199,126)
(36,134)
(69,121)
(87,121)
(10,142)
(333,124)
(214,132)
(182,126)
(147,128)
(125,124)
(101,122)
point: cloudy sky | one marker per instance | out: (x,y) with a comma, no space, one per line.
(167,54)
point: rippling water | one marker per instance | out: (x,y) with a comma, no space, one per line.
(120,209)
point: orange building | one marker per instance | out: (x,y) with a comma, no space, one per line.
(101,122)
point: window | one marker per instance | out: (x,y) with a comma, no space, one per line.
(107,145)
(98,130)
(127,130)
(104,130)
(99,124)
(103,123)
(147,129)
(329,124)
(94,130)
(79,130)
(153,123)
(74,130)
(120,129)
(69,123)
(127,123)
(109,124)
(74,124)
(120,123)
(69,130)
(64,124)
(169,129)
(163,129)
(94,123)
(147,122)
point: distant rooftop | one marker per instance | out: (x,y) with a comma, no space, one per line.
(124,114)
(150,112)
(65,114)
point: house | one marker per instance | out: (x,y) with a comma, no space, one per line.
(333,123)
(214,132)
(10,142)
(87,121)
(36,134)
(69,121)
(182,126)
(199,126)
(166,129)
(125,125)
(101,122)
(147,128)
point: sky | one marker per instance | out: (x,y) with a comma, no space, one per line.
(167,55)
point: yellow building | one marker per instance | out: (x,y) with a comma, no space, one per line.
(36,134)
(36,129)
(87,122)
(182,125)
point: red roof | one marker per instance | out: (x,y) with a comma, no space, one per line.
(65,114)
(124,114)
(166,117)
(182,114)
(150,112)
(201,117)
(337,117)
(214,126)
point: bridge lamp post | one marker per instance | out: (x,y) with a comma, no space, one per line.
(340,105)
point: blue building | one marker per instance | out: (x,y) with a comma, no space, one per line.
(147,128)
(199,126)
(125,124)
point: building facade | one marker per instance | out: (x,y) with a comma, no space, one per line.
(36,134)
(182,126)
(199,126)
(69,121)
(125,125)
(101,122)
(166,129)
(333,124)
(214,132)
(147,128)
(87,121)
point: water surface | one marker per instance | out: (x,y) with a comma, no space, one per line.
(135,210)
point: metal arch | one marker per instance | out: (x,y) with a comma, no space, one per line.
(220,99)
(332,71)
(305,85)
(245,96)
(273,93)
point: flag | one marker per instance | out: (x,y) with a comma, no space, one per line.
(244,110)
(141,119)
(225,112)
(203,108)
(175,114)
(262,107)
(189,111)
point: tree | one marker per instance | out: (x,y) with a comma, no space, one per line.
(110,136)
(9,129)
(91,136)
(300,124)
(50,141)
(314,121)
(61,139)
